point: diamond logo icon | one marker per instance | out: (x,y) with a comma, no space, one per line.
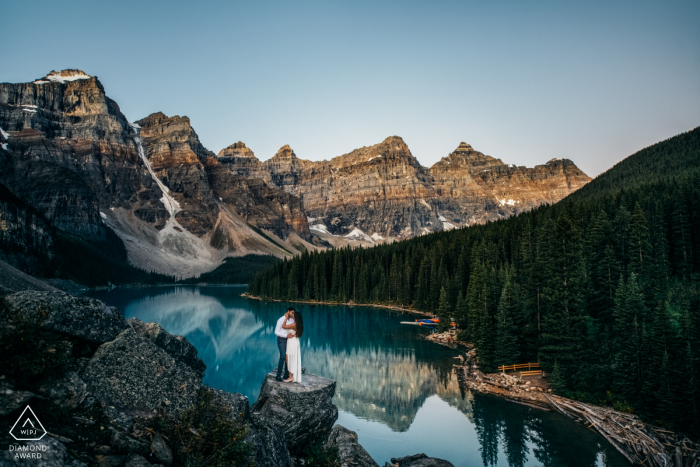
(28,427)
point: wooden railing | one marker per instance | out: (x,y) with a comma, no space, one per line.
(520,366)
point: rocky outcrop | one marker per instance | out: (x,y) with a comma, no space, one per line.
(79,317)
(350,451)
(303,412)
(269,444)
(133,374)
(177,346)
(420,460)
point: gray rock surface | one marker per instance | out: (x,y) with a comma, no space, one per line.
(177,346)
(67,392)
(110,460)
(269,444)
(131,373)
(238,402)
(123,443)
(135,460)
(303,411)
(81,317)
(117,418)
(53,454)
(351,453)
(11,400)
(161,450)
(420,460)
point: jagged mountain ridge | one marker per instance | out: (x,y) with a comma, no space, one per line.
(69,152)
(383,192)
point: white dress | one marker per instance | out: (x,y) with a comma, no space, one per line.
(294,357)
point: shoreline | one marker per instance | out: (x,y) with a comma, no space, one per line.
(350,304)
(639,442)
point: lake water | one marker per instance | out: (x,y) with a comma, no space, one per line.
(396,390)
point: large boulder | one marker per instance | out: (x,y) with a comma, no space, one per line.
(133,374)
(303,412)
(81,317)
(177,346)
(350,451)
(420,460)
(269,445)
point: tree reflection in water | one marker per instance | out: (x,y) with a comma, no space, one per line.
(385,372)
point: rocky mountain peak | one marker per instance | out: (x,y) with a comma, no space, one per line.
(238,149)
(63,76)
(285,152)
(464,147)
(392,148)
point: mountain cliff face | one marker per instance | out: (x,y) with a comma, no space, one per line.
(68,152)
(473,188)
(381,192)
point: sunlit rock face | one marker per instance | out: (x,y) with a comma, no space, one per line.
(241,160)
(473,188)
(379,193)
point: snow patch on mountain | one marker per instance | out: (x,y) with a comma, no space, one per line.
(509,202)
(359,235)
(320,228)
(63,76)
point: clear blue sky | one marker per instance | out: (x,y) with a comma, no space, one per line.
(522,81)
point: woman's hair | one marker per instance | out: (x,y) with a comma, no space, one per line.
(299,324)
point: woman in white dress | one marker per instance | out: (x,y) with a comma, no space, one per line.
(294,348)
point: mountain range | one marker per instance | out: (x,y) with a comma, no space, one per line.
(71,162)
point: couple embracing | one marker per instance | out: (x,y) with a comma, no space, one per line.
(289,329)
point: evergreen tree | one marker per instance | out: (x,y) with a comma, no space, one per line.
(444,312)
(507,352)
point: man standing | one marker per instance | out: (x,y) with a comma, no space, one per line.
(282,335)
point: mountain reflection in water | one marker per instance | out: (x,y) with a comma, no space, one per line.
(396,389)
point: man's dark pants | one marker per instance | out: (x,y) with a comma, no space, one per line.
(282,365)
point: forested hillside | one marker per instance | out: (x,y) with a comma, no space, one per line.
(601,288)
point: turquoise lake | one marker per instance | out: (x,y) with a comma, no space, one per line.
(396,390)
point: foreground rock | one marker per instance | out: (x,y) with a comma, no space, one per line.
(81,317)
(269,444)
(350,451)
(132,373)
(177,346)
(303,412)
(420,460)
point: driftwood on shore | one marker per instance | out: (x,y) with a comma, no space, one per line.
(639,442)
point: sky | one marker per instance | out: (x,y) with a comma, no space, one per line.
(522,81)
